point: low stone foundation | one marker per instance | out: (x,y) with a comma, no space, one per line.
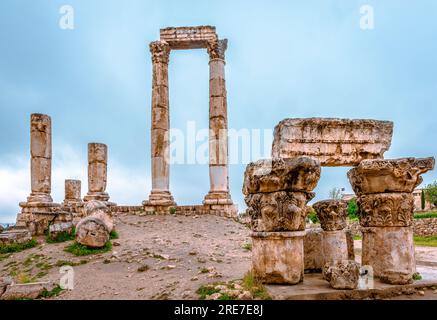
(421,227)
(229,211)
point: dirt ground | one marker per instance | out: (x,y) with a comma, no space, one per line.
(158,257)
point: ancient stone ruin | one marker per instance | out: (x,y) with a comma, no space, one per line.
(218,200)
(384,189)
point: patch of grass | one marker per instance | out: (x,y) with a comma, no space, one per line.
(425,215)
(62,236)
(206,290)
(312,215)
(247,246)
(52,293)
(10,248)
(357,237)
(24,278)
(429,241)
(113,235)
(172,210)
(80,250)
(61,263)
(203,270)
(417,276)
(4,256)
(41,274)
(255,287)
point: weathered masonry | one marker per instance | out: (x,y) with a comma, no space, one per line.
(218,198)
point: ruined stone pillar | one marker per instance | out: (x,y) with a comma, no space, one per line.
(218,127)
(39,209)
(41,159)
(97,172)
(277,192)
(332,215)
(72,193)
(386,204)
(160,194)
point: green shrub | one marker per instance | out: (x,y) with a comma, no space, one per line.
(312,216)
(10,248)
(52,293)
(62,236)
(352,209)
(172,210)
(80,250)
(113,235)
(425,215)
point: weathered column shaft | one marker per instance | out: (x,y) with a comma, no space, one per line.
(218,126)
(160,194)
(97,172)
(72,191)
(41,158)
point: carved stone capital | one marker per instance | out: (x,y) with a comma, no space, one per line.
(278,211)
(216,49)
(386,210)
(332,214)
(160,51)
(380,176)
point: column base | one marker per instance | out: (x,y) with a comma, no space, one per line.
(39,197)
(99,196)
(160,198)
(218,197)
(37,217)
(390,252)
(278,257)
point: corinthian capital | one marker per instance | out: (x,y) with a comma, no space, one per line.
(160,51)
(216,49)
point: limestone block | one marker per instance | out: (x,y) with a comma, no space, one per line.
(382,176)
(40,136)
(217,88)
(217,107)
(15,236)
(160,142)
(313,255)
(332,214)
(160,118)
(390,252)
(342,274)
(73,190)
(386,209)
(216,69)
(159,75)
(278,211)
(160,97)
(334,142)
(278,257)
(188,37)
(272,175)
(97,177)
(41,175)
(56,229)
(26,290)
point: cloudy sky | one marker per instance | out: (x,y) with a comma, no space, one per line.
(287,59)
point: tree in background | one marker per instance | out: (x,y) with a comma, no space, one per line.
(352,209)
(422,200)
(336,194)
(431,193)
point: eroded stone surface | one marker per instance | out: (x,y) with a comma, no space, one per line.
(278,257)
(278,211)
(382,176)
(97,172)
(15,236)
(386,209)
(188,37)
(272,175)
(94,230)
(390,251)
(335,142)
(342,274)
(313,255)
(332,214)
(334,246)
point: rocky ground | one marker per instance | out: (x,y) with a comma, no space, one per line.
(157,257)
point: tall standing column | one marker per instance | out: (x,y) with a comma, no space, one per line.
(218,126)
(160,194)
(97,172)
(41,159)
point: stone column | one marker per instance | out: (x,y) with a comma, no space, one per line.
(218,127)
(332,215)
(386,204)
(160,194)
(97,172)
(41,159)
(39,209)
(72,193)
(277,192)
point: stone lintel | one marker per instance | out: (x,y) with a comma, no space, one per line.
(188,37)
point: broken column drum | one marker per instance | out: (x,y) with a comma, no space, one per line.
(332,215)
(386,204)
(277,192)
(72,193)
(97,172)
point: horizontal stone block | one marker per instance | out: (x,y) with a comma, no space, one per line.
(41,172)
(188,37)
(334,142)
(379,176)
(97,152)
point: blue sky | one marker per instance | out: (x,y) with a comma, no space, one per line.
(284,59)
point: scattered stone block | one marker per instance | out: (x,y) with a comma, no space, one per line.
(342,274)
(26,291)
(15,236)
(313,250)
(56,229)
